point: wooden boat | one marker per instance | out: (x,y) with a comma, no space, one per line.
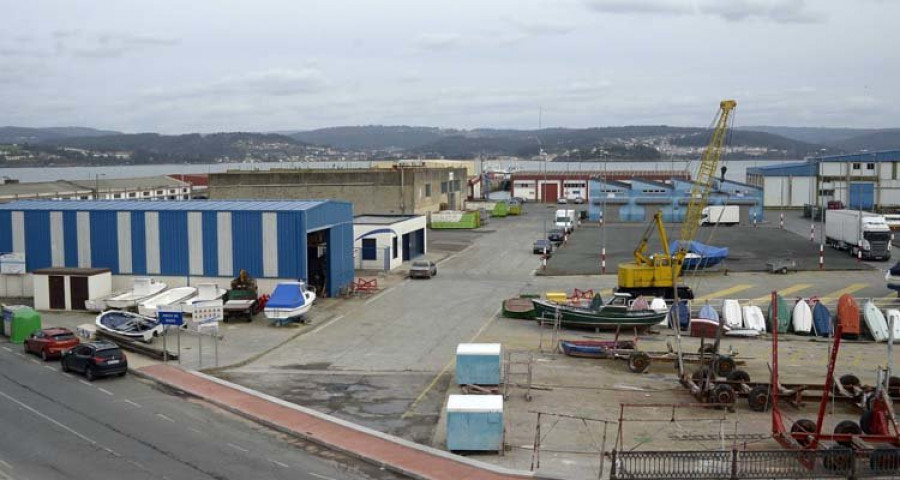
(848,315)
(129,324)
(518,308)
(175,296)
(141,289)
(876,322)
(706,328)
(610,316)
(784,316)
(893,320)
(821,320)
(801,318)
(753,318)
(731,312)
(289,302)
(594,348)
(206,292)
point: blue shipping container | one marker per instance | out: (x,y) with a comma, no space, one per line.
(475,422)
(478,364)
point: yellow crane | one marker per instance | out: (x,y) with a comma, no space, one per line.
(657,275)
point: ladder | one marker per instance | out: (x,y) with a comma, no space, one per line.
(517,364)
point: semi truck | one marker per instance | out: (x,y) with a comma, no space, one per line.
(566,219)
(721,214)
(858,232)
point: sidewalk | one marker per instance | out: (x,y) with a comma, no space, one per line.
(392,453)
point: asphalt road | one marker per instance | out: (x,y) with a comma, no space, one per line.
(58,426)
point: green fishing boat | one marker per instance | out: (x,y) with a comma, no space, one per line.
(620,312)
(784,316)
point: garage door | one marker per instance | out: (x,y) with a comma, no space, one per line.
(862,196)
(549,192)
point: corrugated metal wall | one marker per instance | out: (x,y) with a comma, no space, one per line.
(181,242)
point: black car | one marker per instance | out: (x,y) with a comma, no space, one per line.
(556,235)
(95,359)
(541,246)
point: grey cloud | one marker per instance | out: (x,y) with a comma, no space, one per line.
(779,11)
(438,41)
(106,44)
(544,27)
(668,7)
(276,82)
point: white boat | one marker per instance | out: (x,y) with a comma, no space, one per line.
(142,288)
(174,296)
(129,324)
(802,318)
(874,319)
(732,314)
(754,319)
(206,292)
(893,320)
(743,332)
(289,301)
(659,305)
(99,304)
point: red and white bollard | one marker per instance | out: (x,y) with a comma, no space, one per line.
(812,232)
(821,256)
(603,261)
(781,222)
(544,261)
(754,220)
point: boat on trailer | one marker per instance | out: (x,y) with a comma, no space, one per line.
(289,302)
(617,313)
(128,324)
(174,296)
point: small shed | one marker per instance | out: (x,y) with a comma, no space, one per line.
(478,363)
(19,322)
(384,242)
(475,423)
(68,288)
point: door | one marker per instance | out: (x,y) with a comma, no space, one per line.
(862,196)
(57,292)
(406,247)
(78,361)
(78,292)
(549,192)
(420,241)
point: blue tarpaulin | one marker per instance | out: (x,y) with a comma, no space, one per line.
(709,255)
(286,295)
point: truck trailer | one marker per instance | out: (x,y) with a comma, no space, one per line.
(858,232)
(721,214)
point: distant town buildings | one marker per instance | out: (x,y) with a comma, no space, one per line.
(145,188)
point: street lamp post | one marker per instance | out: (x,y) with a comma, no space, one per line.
(97,185)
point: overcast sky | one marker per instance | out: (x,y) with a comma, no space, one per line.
(204,65)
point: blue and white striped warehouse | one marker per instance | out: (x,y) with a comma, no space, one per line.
(312,240)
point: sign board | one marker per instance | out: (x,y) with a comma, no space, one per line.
(209,311)
(12,263)
(170,317)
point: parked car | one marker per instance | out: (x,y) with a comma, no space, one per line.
(543,245)
(50,342)
(562,200)
(556,235)
(521,200)
(579,200)
(95,359)
(422,269)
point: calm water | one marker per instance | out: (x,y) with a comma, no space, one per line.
(736,168)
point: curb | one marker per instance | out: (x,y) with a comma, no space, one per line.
(336,447)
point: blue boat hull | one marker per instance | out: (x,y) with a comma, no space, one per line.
(822,320)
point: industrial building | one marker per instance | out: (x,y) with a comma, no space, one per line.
(384,242)
(867,181)
(144,188)
(550,187)
(637,200)
(406,189)
(183,242)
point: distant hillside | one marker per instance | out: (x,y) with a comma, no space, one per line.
(33,135)
(745,138)
(878,140)
(373,137)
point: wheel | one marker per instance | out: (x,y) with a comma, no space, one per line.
(849,380)
(837,458)
(758,399)
(44,356)
(25,346)
(700,374)
(723,365)
(804,425)
(783,270)
(723,393)
(738,376)
(638,362)
(121,374)
(65,366)
(885,458)
(89,374)
(847,427)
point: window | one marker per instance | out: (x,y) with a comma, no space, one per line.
(427,194)
(856,166)
(117,195)
(369,249)
(524,185)
(159,192)
(443,187)
(394,247)
(146,194)
(132,195)
(870,166)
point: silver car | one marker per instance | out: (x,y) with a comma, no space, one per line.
(422,269)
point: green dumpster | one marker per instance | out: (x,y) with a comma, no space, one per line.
(25,321)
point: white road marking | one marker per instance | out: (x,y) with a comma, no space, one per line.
(238,448)
(324,325)
(5,463)
(48,367)
(20,354)
(112,452)
(106,391)
(132,403)
(195,430)
(164,417)
(86,382)
(45,417)
(276,462)
(8,350)
(320,476)
(35,362)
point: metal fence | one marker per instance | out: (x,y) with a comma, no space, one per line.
(759,464)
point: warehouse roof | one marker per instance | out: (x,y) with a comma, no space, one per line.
(874,156)
(186,205)
(382,219)
(800,169)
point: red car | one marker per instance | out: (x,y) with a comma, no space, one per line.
(50,342)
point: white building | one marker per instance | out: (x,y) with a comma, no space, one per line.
(384,242)
(143,188)
(866,181)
